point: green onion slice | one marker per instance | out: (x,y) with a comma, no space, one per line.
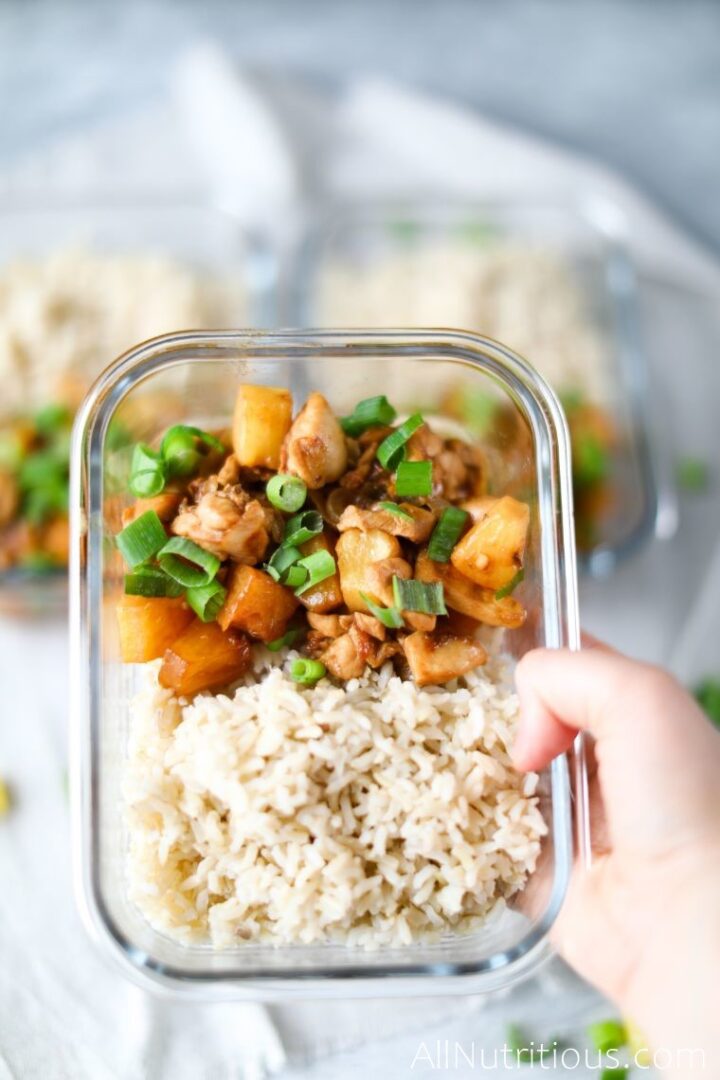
(179,448)
(427,597)
(188,563)
(371,412)
(281,561)
(391,450)
(607,1035)
(287,493)
(302,527)
(306,672)
(206,600)
(446,533)
(38,562)
(42,469)
(141,539)
(319,566)
(288,638)
(151,581)
(45,501)
(388,616)
(393,508)
(295,577)
(148,472)
(511,585)
(413,479)
(50,418)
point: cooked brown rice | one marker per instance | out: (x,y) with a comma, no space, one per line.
(375,813)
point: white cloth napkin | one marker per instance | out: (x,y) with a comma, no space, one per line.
(62,1013)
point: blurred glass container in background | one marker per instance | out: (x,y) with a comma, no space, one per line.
(79,284)
(197,375)
(544,279)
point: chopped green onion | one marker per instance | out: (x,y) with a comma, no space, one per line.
(393,508)
(477,409)
(151,581)
(511,585)
(446,533)
(413,478)
(51,417)
(571,399)
(206,600)
(147,472)
(45,501)
(188,563)
(141,539)
(590,460)
(288,638)
(607,1035)
(281,561)
(693,474)
(287,493)
(306,672)
(371,412)
(295,577)
(319,566)
(391,450)
(302,527)
(44,468)
(427,597)
(707,695)
(615,1072)
(179,448)
(38,562)
(388,616)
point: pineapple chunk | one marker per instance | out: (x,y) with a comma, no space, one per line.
(149,625)
(204,658)
(490,554)
(326,596)
(262,419)
(356,552)
(465,596)
(257,604)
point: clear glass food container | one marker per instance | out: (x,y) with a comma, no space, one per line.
(552,280)
(186,231)
(197,375)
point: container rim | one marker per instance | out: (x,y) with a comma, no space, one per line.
(561,629)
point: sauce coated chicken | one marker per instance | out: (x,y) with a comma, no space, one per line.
(357,541)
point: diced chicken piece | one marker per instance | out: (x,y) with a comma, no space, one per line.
(9,497)
(315,448)
(465,596)
(380,581)
(342,658)
(423,444)
(262,419)
(359,473)
(327,625)
(257,604)
(490,554)
(226,526)
(478,506)
(356,553)
(417,527)
(326,595)
(370,625)
(438,658)
(229,472)
(165,506)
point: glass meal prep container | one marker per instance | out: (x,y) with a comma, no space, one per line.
(548,279)
(198,375)
(190,235)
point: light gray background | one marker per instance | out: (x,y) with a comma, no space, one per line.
(634,82)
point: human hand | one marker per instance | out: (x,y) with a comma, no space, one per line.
(643,923)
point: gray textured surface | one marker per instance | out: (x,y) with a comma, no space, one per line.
(634,82)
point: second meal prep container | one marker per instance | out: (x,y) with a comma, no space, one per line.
(415,244)
(198,375)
